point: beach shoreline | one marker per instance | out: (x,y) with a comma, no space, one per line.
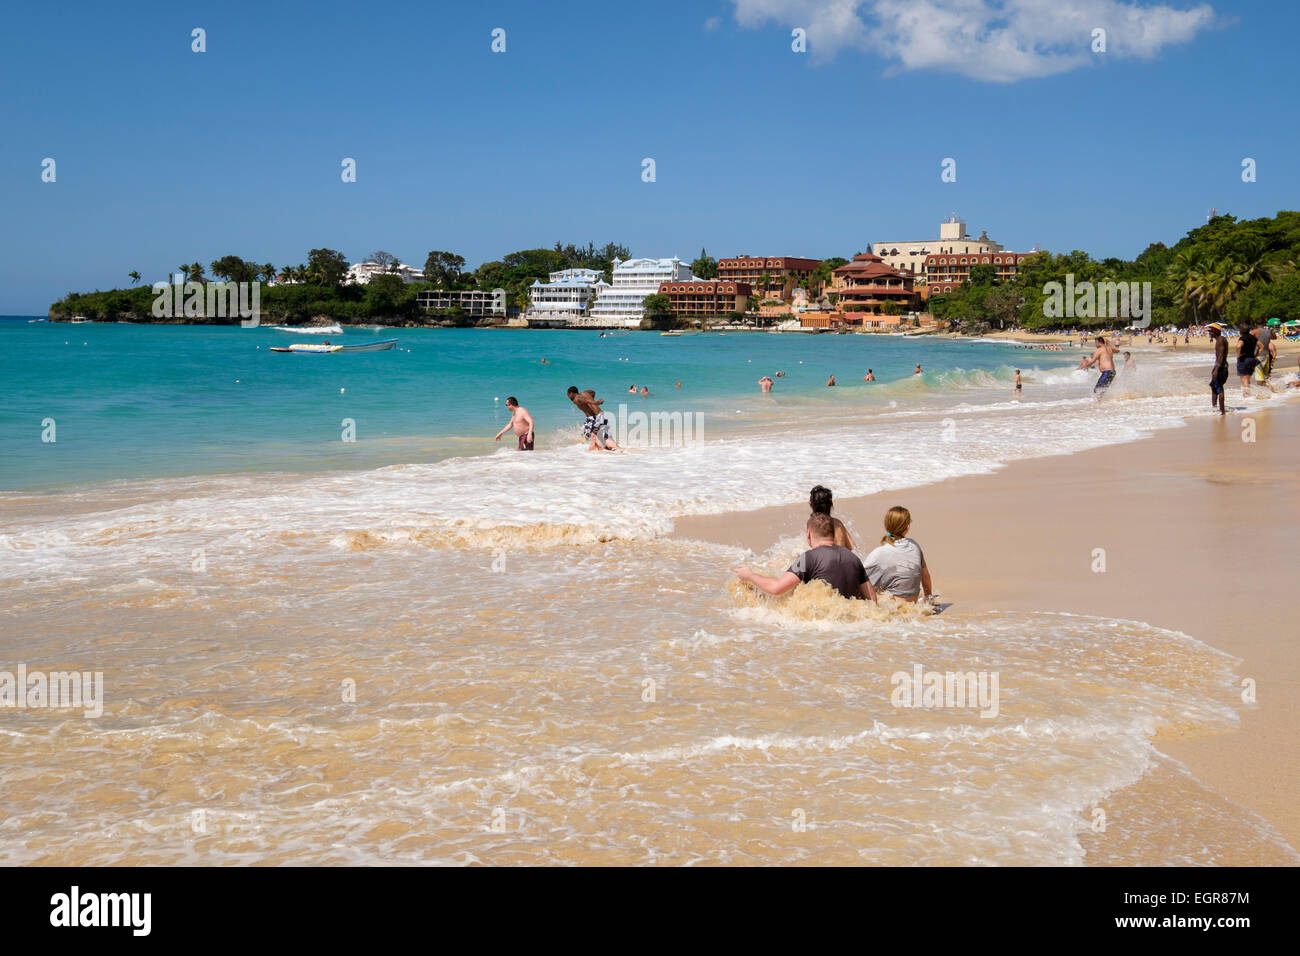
(1168,510)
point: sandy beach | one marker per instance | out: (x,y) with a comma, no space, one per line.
(1196,524)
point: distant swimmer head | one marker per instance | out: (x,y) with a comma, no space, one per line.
(897,520)
(820,500)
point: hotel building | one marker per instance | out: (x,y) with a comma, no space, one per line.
(868,283)
(362,272)
(784,273)
(946,272)
(706,297)
(472,301)
(619,305)
(910,255)
(569,292)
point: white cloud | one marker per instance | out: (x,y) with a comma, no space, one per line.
(999,41)
(712,24)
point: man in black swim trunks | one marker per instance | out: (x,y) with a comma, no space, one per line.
(838,567)
(1105,358)
(1218,374)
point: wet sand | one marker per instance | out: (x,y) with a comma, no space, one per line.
(1199,530)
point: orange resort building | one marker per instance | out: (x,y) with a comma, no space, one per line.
(706,297)
(784,273)
(945,272)
(868,283)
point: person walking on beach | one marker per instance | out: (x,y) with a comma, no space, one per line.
(820,500)
(521,422)
(1017,393)
(898,566)
(1104,357)
(596,426)
(1246,361)
(823,561)
(1219,372)
(1266,353)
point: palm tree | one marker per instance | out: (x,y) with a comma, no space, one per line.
(133,276)
(268,272)
(196,271)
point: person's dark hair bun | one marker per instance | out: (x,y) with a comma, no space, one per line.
(819,499)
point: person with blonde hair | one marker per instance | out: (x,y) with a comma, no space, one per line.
(898,566)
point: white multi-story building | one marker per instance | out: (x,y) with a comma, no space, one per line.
(362,272)
(569,293)
(909,255)
(620,304)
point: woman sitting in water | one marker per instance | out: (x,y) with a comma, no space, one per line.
(819,499)
(898,565)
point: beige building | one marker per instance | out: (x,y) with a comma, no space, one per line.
(910,255)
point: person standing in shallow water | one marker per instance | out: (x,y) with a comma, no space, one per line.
(820,501)
(521,422)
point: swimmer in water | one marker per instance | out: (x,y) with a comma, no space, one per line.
(869,377)
(830,381)
(766,383)
(645,390)
(918,369)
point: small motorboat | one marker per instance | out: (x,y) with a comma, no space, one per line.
(79,320)
(383,345)
(669,333)
(327,348)
(310,330)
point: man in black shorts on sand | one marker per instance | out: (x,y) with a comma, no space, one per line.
(838,567)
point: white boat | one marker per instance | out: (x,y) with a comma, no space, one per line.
(309,330)
(326,348)
(79,320)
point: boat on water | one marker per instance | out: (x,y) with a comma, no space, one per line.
(669,333)
(30,321)
(310,330)
(79,320)
(327,348)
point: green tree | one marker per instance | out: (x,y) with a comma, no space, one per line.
(657,304)
(326,267)
(235,269)
(706,267)
(444,269)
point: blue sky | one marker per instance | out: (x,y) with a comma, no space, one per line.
(167,156)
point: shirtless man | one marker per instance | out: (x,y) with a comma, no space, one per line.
(521,422)
(869,377)
(1104,357)
(766,383)
(596,426)
(1219,373)
(830,382)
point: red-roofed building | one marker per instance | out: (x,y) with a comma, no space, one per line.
(783,272)
(867,284)
(706,296)
(946,272)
